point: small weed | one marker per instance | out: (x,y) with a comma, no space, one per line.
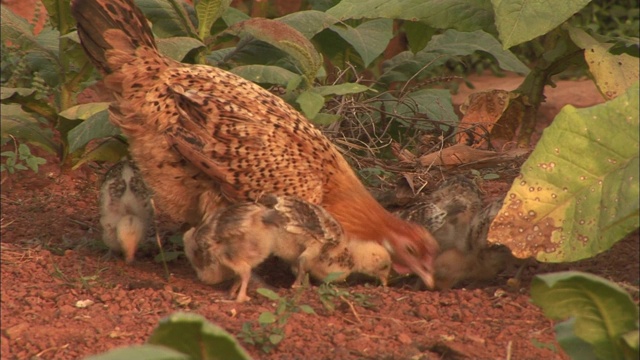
(81,281)
(329,293)
(270,330)
(20,159)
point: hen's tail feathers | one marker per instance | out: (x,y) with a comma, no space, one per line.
(110,31)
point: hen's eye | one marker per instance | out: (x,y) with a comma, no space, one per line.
(411,250)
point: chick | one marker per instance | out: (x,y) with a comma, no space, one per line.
(455,216)
(125,208)
(243,235)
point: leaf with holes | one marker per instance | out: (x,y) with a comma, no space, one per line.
(578,193)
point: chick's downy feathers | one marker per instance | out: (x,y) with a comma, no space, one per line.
(205,138)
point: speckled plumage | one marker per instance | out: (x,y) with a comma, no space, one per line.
(455,216)
(125,208)
(204,138)
(243,235)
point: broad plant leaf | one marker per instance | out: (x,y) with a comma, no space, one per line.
(613,74)
(457,14)
(24,126)
(369,39)
(169,18)
(59,12)
(341,89)
(522,20)
(435,103)
(17,30)
(208,11)
(453,42)
(265,74)
(193,335)
(309,22)
(178,47)
(95,126)
(575,347)
(141,352)
(578,193)
(602,310)
(110,150)
(284,38)
(310,103)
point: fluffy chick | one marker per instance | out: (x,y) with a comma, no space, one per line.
(455,216)
(243,235)
(125,208)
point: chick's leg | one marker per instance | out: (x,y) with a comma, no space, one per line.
(243,269)
(302,271)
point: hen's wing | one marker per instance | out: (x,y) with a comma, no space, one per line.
(251,145)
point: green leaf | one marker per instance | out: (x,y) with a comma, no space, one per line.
(603,311)
(369,39)
(208,11)
(141,352)
(341,89)
(233,16)
(613,74)
(522,20)
(631,344)
(169,18)
(178,47)
(457,14)
(267,317)
(578,192)
(284,38)
(453,42)
(111,150)
(575,347)
(24,126)
(168,256)
(28,98)
(309,22)
(418,34)
(325,119)
(310,103)
(193,335)
(59,12)
(269,294)
(95,125)
(332,277)
(307,309)
(19,31)
(265,74)
(433,102)
(275,339)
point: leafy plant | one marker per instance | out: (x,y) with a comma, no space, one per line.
(329,294)
(182,336)
(20,159)
(600,318)
(270,330)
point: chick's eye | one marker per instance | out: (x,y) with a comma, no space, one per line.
(411,250)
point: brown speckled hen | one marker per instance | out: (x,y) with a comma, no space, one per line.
(204,138)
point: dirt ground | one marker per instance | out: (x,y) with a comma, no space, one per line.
(52,257)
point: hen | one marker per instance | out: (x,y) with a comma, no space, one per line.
(125,208)
(205,138)
(455,216)
(243,235)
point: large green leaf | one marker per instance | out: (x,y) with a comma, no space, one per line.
(94,126)
(369,39)
(111,150)
(442,14)
(309,22)
(522,20)
(24,126)
(284,38)
(613,74)
(141,352)
(265,74)
(178,47)
(453,42)
(59,12)
(578,193)
(169,18)
(435,103)
(602,310)
(192,334)
(208,11)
